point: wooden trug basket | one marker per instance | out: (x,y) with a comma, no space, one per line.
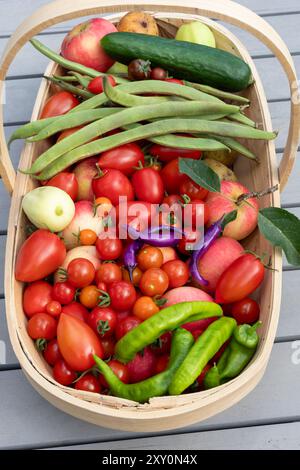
(164,412)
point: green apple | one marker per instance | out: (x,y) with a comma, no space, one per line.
(196,32)
(49,207)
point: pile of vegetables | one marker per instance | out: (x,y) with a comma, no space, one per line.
(139,285)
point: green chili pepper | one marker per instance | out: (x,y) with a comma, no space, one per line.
(146,131)
(236,356)
(166,320)
(158,384)
(206,346)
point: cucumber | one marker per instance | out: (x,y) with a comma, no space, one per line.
(186,60)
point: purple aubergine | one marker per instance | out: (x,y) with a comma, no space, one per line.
(130,256)
(163,235)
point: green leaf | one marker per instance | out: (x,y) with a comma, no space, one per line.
(200,173)
(282,229)
(230,217)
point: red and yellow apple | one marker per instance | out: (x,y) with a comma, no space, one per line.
(85,171)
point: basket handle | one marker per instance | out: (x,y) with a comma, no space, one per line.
(226,10)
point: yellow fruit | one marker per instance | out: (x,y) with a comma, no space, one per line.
(222,156)
(225,174)
(138,22)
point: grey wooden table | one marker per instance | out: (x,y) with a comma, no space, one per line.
(268,418)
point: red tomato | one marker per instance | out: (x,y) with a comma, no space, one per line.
(81,272)
(173,199)
(190,237)
(119,369)
(113,184)
(161,364)
(163,344)
(76,310)
(192,189)
(154,281)
(126,325)
(137,214)
(124,158)
(196,212)
(157,73)
(88,383)
(108,345)
(63,292)
(149,257)
(67,182)
(103,320)
(42,325)
(174,80)
(109,248)
(53,308)
(108,273)
(58,104)
(241,278)
(165,154)
(77,343)
(40,255)
(171,176)
(96,84)
(122,295)
(68,132)
(63,374)
(141,366)
(51,352)
(177,272)
(36,297)
(148,185)
(245,311)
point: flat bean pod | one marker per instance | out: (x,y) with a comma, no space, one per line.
(218,93)
(71,88)
(30,129)
(242,119)
(127,116)
(238,147)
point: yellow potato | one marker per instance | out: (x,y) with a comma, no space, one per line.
(222,156)
(225,174)
(138,22)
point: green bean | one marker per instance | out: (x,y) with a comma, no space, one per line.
(84,81)
(30,129)
(65,78)
(219,93)
(127,116)
(68,64)
(69,87)
(67,121)
(242,119)
(238,147)
(146,131)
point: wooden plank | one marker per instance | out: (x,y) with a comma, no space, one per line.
(2,256)
(21,405)
(273,437)
(7,356)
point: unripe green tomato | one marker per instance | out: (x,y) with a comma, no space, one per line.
(196,32)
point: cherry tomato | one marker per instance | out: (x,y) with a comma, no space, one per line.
(103,320)
(119,369)
(96,84)
(103,205)
(122,295)
(76,310)
(245,311)
(81,272)
(58,104)
(68,132)
(148,185)
(109,248)
(126,325)
(77,343)
(174,80)
(36,297)
(124,158)
(196,213)
(108,273)
(201,377)
(108,345)
(67,182)
(139,69)
(158,74)
(136,214)
(42,325)
(241,278)
(142,366)
(177,272)
(63,374)
(163,344)
(63,292)
(168,253)
(166,154)
(53,308)
(51,352)
(192,189)
(161,363)
(154,281)
(101,286)
(87,237)
(89,296)
(173,200)
(144,308)
(88,383)
(113,184)
(40,255)
(136,276)
(188,241)
(149,257)
(171,176)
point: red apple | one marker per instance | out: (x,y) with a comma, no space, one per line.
(85,171)
(82,44)
(224,202)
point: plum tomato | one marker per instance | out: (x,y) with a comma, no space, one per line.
(166,154)
(80,272)
(189,239)
(149,257)
(88,383)
(196,213)
(174,80)
(245,311)
(124,158)
(67,182)
(119,369)
(109,248)
(126,325)
(177,272)
(113,184)
(171,176)
(42,326)
(192,189)
(154,281)
(145,307)
(142,366)
(148,185)
(63,374)
(68,132)
(76,310)
(122,295)
(58,104)
(51,352)
(96,84)
(87,237)
(63,292)
(108,273)
(36,297)
(103,320)
(53,308)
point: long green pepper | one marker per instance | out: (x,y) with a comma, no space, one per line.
(204,349)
